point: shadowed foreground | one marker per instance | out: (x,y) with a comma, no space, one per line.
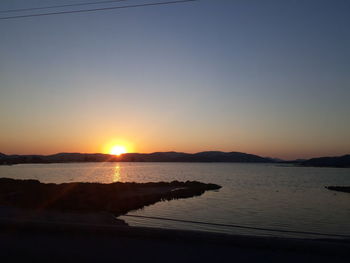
(66,242)
(117,198)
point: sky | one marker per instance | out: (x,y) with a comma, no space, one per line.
(265,77)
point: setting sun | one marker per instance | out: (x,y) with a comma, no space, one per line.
(117,146)
(117,150)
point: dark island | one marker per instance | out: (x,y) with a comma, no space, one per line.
(116,198)
(338,161)
(345,189)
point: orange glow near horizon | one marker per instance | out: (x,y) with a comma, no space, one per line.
(117,150)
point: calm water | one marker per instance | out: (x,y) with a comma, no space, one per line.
(259,195)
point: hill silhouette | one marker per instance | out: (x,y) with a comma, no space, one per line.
(338,161)
(209,156)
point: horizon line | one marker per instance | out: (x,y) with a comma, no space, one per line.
(268,157)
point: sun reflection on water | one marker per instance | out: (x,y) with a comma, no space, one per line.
(117,174)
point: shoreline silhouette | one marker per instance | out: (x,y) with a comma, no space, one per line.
(116,198)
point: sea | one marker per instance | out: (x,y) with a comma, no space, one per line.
(255,199)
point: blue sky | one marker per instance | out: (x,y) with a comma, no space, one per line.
(265,77)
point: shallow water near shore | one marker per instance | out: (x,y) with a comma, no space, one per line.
(257,195)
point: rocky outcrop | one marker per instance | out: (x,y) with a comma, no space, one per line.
(117,198)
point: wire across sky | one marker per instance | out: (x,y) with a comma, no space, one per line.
(86,10)
(61,6)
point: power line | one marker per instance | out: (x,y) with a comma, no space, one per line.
(60,6)
(98,9)
(239,226)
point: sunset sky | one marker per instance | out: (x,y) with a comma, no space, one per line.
(264,77)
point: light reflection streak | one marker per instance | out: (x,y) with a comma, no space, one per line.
(117,174)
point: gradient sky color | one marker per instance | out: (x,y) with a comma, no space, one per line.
(264,77)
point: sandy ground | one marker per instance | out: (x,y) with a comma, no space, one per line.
(42,247)
(26,215)
(102,240)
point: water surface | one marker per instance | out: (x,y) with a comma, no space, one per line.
(259,195)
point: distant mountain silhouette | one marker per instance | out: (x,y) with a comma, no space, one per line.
(209,156)
(339,161)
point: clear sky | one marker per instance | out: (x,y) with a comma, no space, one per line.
(264,77)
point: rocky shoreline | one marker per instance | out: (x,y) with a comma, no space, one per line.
(115,198)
